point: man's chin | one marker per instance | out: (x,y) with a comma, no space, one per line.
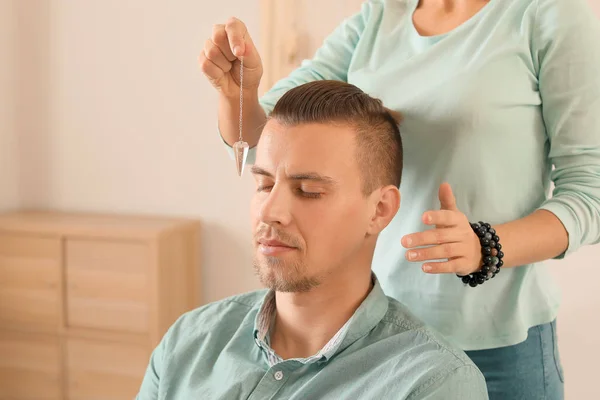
(291,286)
(278,278)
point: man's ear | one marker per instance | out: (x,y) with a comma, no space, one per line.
(387,204)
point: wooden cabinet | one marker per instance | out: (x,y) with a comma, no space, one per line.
(85,298)
(93,301)
(30,366)
(30,281)
(101,370)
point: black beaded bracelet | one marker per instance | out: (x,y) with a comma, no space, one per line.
(491,250)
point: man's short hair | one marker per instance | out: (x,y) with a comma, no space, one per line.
(378,141)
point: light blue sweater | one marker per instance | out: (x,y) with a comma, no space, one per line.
(489,107)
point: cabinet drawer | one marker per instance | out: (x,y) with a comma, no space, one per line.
(107,285)
(30,282)
(30,367)
(100,370)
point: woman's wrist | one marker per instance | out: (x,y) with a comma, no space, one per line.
(491,255)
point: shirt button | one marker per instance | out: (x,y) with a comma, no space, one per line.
(278,375)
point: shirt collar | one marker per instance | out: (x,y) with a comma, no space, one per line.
(365,318)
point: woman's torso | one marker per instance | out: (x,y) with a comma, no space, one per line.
(472,117)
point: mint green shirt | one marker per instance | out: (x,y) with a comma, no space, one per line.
(384,352)
(489,107)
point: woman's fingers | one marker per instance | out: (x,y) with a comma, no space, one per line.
(241,44)
(220,59)
(445,267)
(236,35)
(442,251)
(443,218)
(432,237)
(215,54)
(210,70)
(220,39)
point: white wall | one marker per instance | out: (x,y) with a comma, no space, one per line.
(115,116)
(8,139)
(579,321)
(112,114)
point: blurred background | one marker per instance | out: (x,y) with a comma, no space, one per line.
(103,110)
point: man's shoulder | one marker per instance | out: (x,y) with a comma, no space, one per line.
(430,343)
(229,311)
(425,360)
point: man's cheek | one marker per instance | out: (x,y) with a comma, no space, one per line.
(254,211)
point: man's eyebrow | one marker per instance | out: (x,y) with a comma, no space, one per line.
(306,176)
(256,170)
(313,176)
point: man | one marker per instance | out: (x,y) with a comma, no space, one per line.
(328,168)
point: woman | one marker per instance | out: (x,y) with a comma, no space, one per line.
(493,95)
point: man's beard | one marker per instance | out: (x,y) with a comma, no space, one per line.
(278,274)
(282,276)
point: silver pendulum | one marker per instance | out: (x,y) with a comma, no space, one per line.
(240,148)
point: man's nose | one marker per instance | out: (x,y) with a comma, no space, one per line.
(276,207)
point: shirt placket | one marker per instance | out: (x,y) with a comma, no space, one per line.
(272,382)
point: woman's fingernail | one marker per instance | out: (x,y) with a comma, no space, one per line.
(412,255)
(427,268)
(407,241)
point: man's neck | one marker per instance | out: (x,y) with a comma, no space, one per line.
(305,322)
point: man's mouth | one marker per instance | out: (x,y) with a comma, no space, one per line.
(271,247)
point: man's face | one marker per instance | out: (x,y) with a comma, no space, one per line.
(309,215)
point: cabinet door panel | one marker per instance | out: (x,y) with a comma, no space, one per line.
(107,285)
(30,367)
(30,282)
(99,370)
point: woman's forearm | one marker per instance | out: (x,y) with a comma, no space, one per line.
(539,236)
(254,119)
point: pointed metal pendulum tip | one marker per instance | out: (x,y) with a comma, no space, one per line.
(240,150)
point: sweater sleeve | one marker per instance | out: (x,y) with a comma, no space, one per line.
(566,51)
(330,62)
